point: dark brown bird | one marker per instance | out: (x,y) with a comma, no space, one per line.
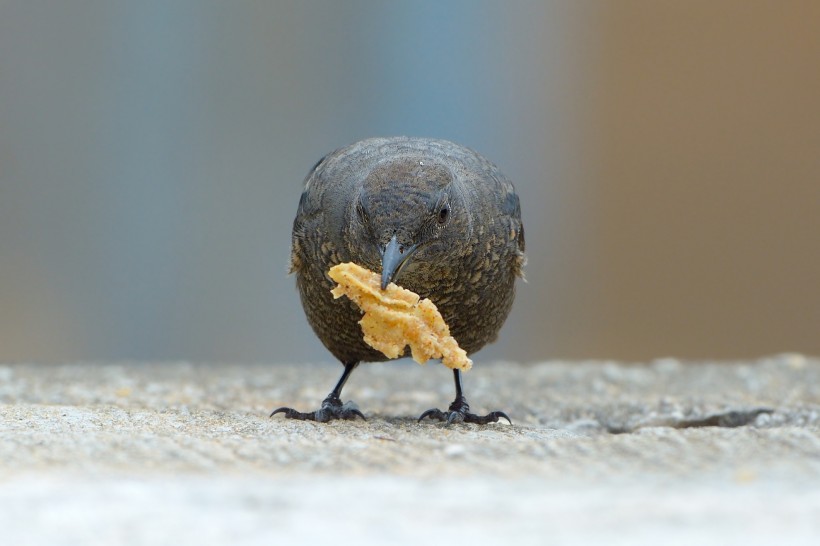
(436,218)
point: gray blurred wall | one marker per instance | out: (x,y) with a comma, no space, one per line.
(151,156)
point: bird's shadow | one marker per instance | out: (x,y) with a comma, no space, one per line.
(396,420)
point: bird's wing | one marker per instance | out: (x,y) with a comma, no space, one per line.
(309,208)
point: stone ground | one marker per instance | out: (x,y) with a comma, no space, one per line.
(600,452)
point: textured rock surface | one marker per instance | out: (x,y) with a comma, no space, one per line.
(140,453)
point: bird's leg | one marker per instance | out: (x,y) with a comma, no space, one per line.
(459,410)
(332,407)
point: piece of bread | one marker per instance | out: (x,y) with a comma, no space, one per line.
(395,318)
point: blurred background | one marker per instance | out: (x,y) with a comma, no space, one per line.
(152,154)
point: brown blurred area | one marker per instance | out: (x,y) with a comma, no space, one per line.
(704,179)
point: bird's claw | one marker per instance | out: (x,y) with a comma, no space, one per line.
(434,413)
(459,412)
(332,408)
(458,417)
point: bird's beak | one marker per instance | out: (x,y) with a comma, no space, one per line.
(394,256)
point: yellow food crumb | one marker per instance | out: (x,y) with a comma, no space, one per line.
(396,317)
(123,392)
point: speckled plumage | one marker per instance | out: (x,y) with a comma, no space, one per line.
(467,258)
(469,267)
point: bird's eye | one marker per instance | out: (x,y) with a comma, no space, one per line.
(443,214)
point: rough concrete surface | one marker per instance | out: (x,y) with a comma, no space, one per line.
(600,452)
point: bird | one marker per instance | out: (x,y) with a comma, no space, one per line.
(430,215)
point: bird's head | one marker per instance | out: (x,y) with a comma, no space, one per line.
(406,209)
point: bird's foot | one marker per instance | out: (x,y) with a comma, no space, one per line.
(459,412)
(332,408)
